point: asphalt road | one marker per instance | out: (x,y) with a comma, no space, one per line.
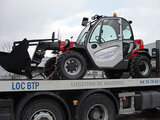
(146,115)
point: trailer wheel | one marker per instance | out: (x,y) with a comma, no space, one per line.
(43,109)
(71,65)
(97,107)
(49,67)
(140,67)
(113,74)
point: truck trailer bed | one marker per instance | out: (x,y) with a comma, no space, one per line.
(50,85)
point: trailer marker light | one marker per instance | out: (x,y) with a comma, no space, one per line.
(75,102)
(124,99)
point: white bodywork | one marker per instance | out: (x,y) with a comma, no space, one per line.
(110,52)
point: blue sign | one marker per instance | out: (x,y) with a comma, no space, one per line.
(25,85)
(149,81)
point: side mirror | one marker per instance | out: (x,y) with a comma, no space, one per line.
(84,21)
(130,22)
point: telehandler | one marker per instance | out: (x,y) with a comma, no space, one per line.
(106,43)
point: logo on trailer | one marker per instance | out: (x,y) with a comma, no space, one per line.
(25,85)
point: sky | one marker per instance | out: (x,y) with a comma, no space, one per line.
(34,19)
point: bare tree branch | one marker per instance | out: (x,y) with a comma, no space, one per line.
(6,46)
(59,35)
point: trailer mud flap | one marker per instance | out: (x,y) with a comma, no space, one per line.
(6,109)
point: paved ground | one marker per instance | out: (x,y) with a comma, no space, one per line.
(147,115)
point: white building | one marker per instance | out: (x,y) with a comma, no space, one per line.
(5,75)
(150,46)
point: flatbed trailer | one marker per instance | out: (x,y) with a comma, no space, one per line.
(88,99)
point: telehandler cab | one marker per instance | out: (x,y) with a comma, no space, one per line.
(106,43)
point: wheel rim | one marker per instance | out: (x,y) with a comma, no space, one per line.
(143,67)
(43,115)
(72,66)
(98,112)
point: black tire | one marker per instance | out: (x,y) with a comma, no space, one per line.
(49,67)
(71,65)
(43,108)
(113,74)
(140,67)
(97,104)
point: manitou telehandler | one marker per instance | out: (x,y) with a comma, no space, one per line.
(106,43)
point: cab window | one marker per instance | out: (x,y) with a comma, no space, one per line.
(127,33)
(105,31)
(110,30)
(96,33)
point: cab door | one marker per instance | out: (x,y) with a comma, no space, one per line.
(105,43)
(128,38)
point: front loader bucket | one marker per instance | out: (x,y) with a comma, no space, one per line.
(18,60)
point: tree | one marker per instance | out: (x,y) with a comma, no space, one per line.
(6,46)
(59,35)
